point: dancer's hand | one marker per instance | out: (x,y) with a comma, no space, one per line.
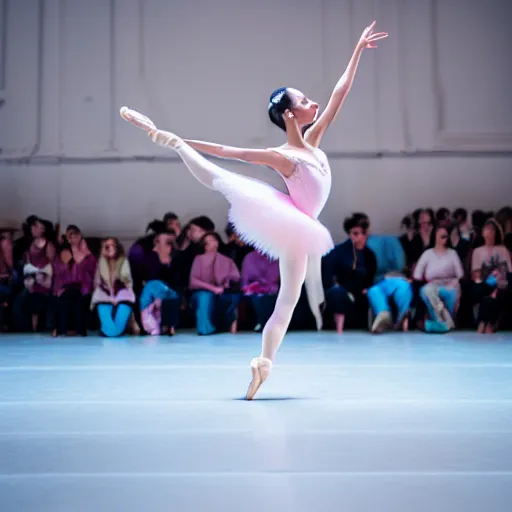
(368,38)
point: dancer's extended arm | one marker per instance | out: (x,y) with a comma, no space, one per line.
(266,157)
(314,134)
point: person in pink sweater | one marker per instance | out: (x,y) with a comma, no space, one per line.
(215,281)
(442,269)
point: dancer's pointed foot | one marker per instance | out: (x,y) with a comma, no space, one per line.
(137,119)
(260,368)
(165,139)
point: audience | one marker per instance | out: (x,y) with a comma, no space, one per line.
(178,277)
(424,237)
(349,271)
(215,282)
(72,289)
(38,278)
(113,295)
(490,268)
(9,275)
(235,247)
(161,296)
(441,270)
(260,282)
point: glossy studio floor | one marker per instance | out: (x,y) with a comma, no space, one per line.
(357,423)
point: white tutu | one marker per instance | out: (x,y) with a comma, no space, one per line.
(269,220)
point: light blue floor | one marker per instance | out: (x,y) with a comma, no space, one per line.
(411,423)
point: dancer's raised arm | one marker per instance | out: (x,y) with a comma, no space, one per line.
(314,134)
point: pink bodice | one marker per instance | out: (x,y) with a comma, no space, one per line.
(310,184)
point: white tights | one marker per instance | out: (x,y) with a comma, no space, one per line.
(294,269)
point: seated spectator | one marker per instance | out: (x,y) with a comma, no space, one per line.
(33,228)
(72,289)
(490,265)
(113,295)
(9,275)
(390,300)
(463,225)
(461,234)
(38,276)
(388,252)
(198,227)
(83,258)
(139,251)
(424,238)
(235,249)
(172,225)
(215,282)
(391,296)
(444,219)
(478,219)
(504,218)
(441,269)
(260,282)
(409,226)
(160,300)
(348,272)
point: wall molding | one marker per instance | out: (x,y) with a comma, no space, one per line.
(443,138)
(50,161)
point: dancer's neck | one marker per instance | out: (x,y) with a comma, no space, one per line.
(294,135)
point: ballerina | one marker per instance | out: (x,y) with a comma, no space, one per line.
(283,226)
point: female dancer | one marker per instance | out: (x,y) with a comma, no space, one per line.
(282,226)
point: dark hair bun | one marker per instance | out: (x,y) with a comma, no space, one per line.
(279,102)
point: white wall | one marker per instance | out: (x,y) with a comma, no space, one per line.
(441,82)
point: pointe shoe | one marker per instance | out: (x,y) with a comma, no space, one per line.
(260,368)
(137,119)
(165,139)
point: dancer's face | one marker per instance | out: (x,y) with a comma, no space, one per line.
(304,110)
(211,244)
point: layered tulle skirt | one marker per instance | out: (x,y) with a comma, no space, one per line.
(270,221)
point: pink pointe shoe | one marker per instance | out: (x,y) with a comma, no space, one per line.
(137,119)
(260,368)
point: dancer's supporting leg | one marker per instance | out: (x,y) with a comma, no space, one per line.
(292,272)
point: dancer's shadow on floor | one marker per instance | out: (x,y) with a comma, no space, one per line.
(274,399)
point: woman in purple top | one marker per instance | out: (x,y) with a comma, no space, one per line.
(260,281)
(38,276)
(214,279)
(72,287)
